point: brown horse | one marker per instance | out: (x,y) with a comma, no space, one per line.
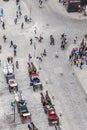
(29,68)
(34,70)
(43,100)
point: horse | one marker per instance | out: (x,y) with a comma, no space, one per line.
(43,100)
(48,98)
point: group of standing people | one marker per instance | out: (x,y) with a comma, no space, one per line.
(78,56)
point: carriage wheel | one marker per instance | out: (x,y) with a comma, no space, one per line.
(16,88)
(29,118)
(34,88)
(22,120)
(49,123)
(41,87)
(9,89)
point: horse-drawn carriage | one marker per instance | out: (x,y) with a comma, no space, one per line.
(35,82)
(22,108)
(52,116)
(23,111)
(13,86)
(49,109)
(34,77)
(46,102)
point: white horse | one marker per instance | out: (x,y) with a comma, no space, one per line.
(18,96)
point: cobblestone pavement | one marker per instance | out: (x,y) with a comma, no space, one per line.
(69,99)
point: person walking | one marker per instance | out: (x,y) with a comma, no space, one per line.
(4,38)
(19,7)
(15,20)
(17,1)
(15,46)
(55,127)
(20,13)
(30,57)
(11,43)
(51,40)
(15,53)
(40,2)
(40,38)
(44,53)
(2,11)
(13,66)
(31,41)
(3,25)
(35,30)
(86,60)
(81,64)
(17,14)
(17,65)
(22,25)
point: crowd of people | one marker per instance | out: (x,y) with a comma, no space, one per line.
(78,56)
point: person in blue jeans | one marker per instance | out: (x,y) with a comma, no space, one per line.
(19,7)
(2,11)
(86,60)
(81,64)
(77,63)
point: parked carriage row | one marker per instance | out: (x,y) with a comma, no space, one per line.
(34,77)
(25,115)
(13,87)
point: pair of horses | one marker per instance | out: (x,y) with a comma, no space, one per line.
(45,99)
(31,68)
